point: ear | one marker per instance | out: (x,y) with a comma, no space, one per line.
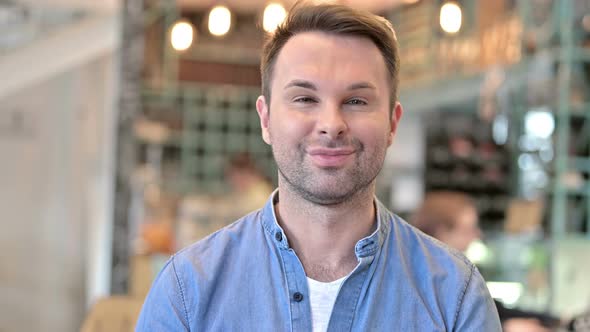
(396,116)
(262,108)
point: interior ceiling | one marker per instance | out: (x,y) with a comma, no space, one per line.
(240,5)
(99,5)
(257,5)
(24,21)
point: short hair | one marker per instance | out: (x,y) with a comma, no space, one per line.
(441,210)
(333,19)
(241,161)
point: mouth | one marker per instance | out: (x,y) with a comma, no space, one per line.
(330,157)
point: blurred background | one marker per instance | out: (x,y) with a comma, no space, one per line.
(128,130)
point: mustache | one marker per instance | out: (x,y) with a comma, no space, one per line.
(334,143)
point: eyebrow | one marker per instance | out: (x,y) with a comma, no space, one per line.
(309,85)
(361,85)
(301,84)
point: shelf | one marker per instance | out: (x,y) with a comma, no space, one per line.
(207,124)
(575,112)
(580,111)
(574,54)
(581,164)
(174,140)
(461,156)
(579,191)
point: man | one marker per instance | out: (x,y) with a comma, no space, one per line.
(323,254)
(451,217)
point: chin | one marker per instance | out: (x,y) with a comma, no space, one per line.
(328,198)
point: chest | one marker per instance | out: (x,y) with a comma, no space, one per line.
(254,307)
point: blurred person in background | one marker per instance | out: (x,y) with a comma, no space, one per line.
(323,253)
(250,188)
(452,218)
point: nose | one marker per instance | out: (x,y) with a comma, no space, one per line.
(331,122)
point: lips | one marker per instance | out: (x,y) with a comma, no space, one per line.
(330,157)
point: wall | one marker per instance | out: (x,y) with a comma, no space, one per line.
(400,184)
(56,152)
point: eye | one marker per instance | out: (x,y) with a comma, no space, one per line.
(356,101)
(304,100)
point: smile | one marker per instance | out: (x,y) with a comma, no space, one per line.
(327,157)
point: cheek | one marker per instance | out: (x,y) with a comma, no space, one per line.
(373,135)
(285,129)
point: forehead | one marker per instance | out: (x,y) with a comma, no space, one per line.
(321,56)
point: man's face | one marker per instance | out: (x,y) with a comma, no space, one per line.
(328,120)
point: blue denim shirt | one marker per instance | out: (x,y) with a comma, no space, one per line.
(245,277)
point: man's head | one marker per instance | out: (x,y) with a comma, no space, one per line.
(332,19)
(242,172)
(332,116)
(450,217)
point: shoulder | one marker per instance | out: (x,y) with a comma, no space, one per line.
(426,249)
(193,269)
(435,269)
(222,244)
(431,266)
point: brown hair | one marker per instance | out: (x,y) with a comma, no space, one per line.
(440,209)
(335,19)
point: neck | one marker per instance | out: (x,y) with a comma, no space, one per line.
(324,236)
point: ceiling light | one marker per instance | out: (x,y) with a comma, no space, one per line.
(274,14)
(181,35)
(219,20)
(539,123)
(450,17)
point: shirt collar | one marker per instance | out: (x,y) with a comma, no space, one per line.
(365,247)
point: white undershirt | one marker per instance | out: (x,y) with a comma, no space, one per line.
(322,296)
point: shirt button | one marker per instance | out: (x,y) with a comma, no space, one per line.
(298,297)
(279,236)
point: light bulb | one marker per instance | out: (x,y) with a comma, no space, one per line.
(539,123)
(181,36)
(450,17)
(274,14)
(219,20)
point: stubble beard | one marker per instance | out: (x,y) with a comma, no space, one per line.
(328,186)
